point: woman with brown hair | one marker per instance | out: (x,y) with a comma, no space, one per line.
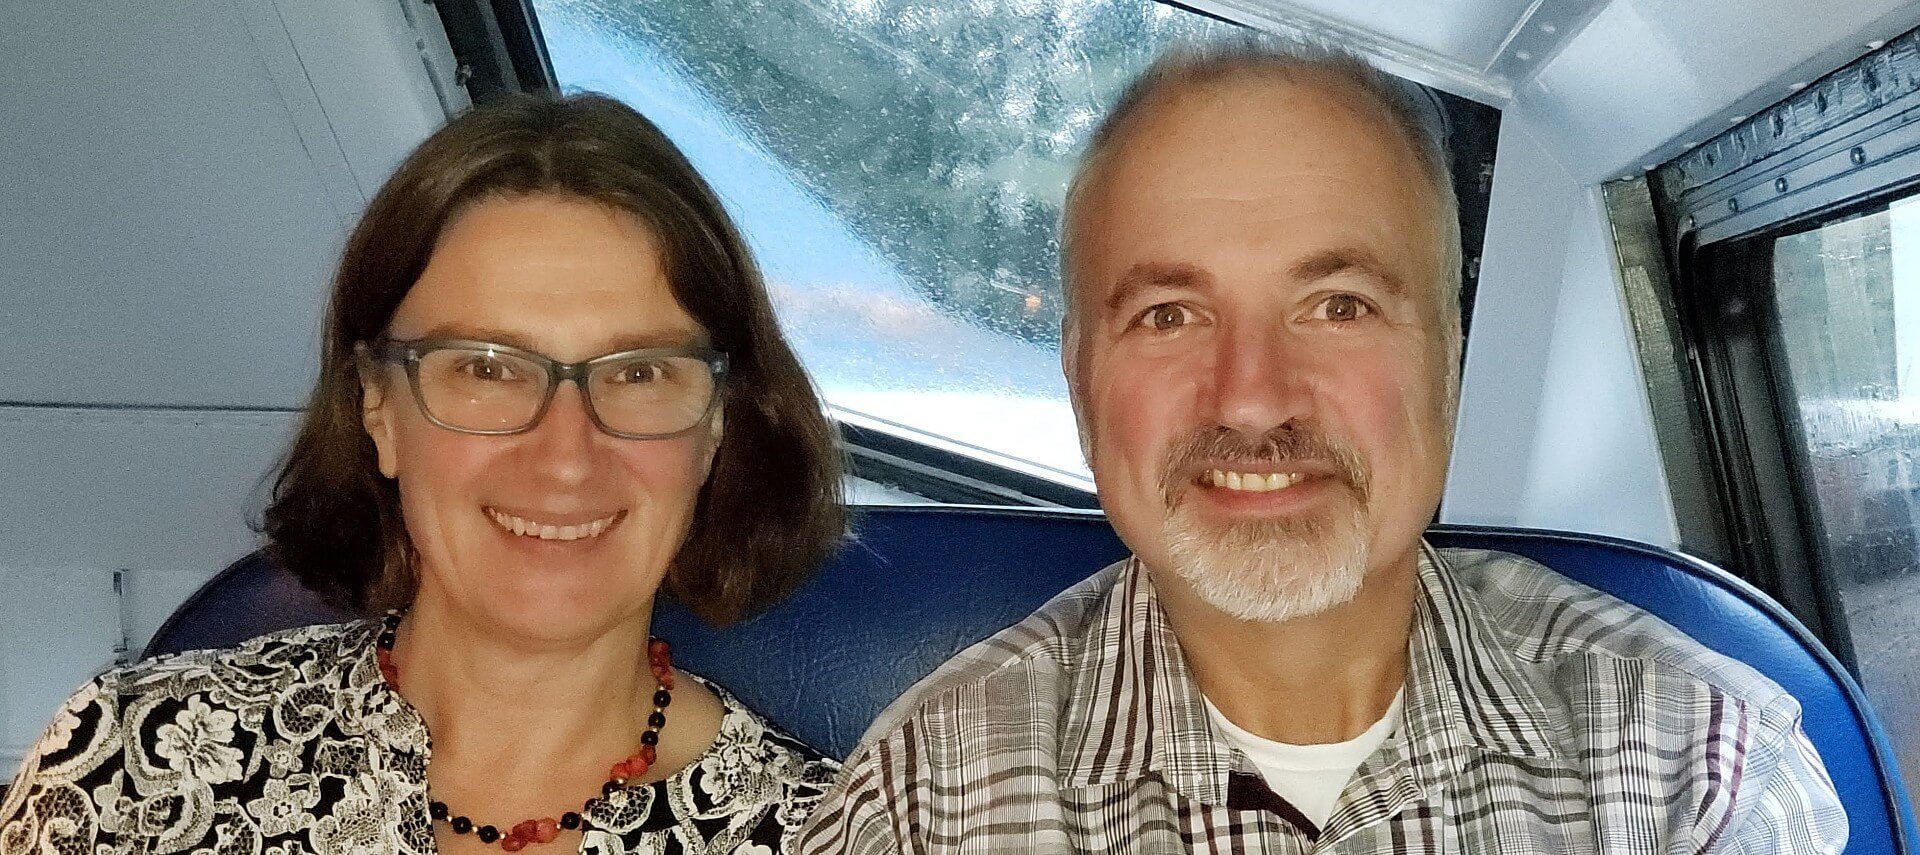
(551,388)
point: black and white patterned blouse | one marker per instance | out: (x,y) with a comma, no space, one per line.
(292,743)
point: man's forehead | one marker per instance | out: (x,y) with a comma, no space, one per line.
(1230,134)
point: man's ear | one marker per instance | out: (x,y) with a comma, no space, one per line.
(376,412)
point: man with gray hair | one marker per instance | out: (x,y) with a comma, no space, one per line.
(1262,258)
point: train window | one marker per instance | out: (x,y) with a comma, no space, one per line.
(1847,298)
(1810,335)
(1795,237)
(898,166)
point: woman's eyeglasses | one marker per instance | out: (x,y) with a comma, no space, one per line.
(485,388)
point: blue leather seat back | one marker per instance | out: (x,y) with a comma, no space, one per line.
(1725,613)
(919,583)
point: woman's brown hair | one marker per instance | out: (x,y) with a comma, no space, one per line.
(335,521)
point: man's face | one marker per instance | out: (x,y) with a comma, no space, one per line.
(1258,363)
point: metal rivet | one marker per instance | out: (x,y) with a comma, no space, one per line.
(1780,184)
(1733,205)
(1858,155)
(1549,29)
(1876,44)
(1523,56)
(1820,101)
(1691,224)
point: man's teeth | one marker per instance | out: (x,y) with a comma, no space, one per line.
(1254,482)
(529,528)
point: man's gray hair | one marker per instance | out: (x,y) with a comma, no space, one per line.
(1412,116)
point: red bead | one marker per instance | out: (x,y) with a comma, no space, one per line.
(524,829)
(512,843)
(545,830)
(658,647)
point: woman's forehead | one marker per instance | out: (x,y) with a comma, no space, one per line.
(553,273)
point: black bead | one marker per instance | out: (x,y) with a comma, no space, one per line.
(385,641)
(437,810)
(569,820)
(649,738)
(462,825)
(609,788)
(487,834)
(662,698)
(658,719)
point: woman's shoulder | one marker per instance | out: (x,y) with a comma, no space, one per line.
(742,726)
(220,686)
(302,654)
(764,781)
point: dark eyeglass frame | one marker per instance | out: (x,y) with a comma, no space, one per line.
(408,353)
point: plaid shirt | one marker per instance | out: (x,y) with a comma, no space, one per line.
(1541,716)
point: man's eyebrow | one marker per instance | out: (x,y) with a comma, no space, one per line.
(1152,275)
(1325,263)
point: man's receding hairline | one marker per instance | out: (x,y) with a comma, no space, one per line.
(1168,91)
(1199,68)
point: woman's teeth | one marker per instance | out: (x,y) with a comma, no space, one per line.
(529,528)
(1253,482)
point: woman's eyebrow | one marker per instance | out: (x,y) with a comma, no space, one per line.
(616,344)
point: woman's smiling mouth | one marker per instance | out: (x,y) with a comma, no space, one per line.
(542,530)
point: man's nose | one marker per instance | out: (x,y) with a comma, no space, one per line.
(1259,378)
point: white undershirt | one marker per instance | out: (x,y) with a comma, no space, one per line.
(1309,777)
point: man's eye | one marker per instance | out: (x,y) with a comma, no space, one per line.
(1165,316)
(1340,308)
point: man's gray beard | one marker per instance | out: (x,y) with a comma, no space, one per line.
(1271,570)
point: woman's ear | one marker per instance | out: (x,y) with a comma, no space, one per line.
(376,410)
(716,430)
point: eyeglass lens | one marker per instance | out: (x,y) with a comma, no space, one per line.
(486,390)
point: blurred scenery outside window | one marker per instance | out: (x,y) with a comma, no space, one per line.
(1848,301)
(898,167)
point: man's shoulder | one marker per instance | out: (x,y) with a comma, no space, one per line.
(1564,627)
(1014,672)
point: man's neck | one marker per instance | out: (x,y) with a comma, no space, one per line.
(1312,680)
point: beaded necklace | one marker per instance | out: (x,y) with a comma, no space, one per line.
(545,829)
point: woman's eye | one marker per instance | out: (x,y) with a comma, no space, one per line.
(1340,308)
(640,372)
(1165,316)
(487,369)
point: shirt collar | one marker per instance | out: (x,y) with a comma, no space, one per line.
(1136,709)
(1466,689)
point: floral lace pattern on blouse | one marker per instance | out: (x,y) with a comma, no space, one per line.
(291,743)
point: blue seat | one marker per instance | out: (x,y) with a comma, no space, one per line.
(919,583)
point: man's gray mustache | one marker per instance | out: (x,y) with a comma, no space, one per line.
(1290,442)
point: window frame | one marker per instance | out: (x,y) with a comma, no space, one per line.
(1835,150)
